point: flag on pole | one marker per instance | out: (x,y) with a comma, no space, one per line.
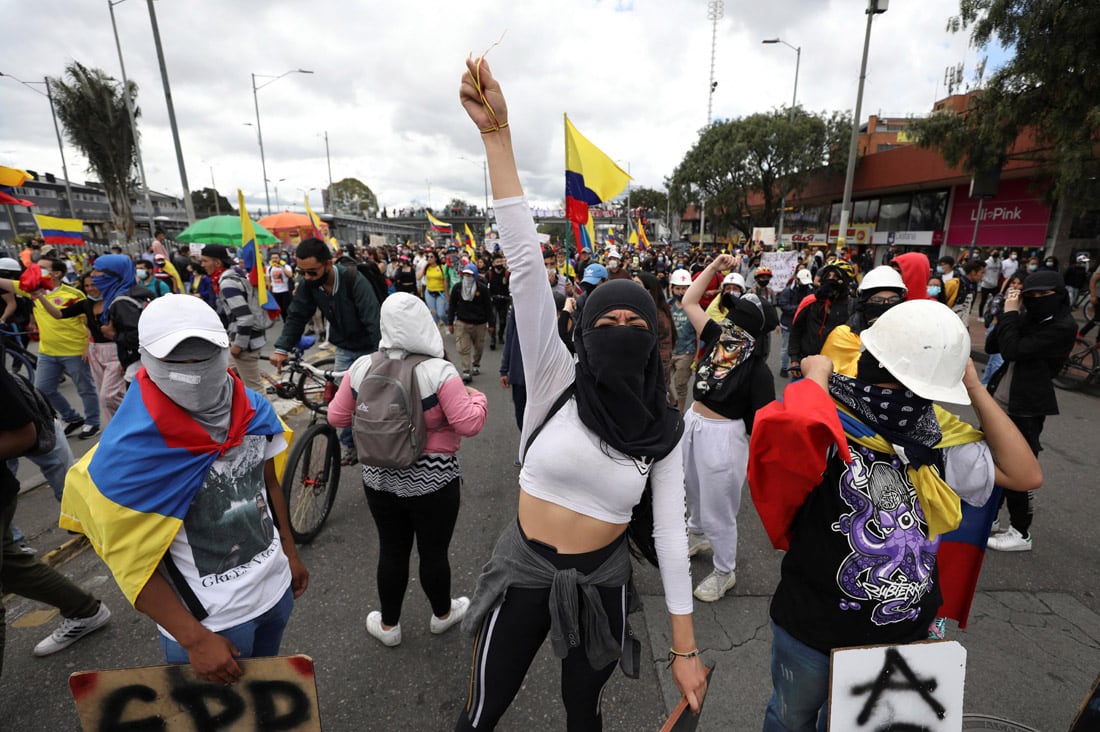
(61,231)
(470,248)
(641,235)
(633,238)
(250,253)
(428,236)
(590,178)
(441,227)
(314,221)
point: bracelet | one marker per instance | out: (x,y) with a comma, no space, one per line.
(493,128)
(673,654)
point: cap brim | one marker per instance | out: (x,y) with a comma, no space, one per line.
(950,394)
(164,345)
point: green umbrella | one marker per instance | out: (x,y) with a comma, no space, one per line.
(222,230)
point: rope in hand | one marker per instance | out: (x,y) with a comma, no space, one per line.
(475,79)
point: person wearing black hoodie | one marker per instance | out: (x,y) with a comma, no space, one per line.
(814,321)
(1035,336)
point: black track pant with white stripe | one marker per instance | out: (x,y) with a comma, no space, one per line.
(506,644)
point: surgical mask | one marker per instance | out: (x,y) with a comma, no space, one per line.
(944,269)
(1050,262)
(1032,267)
(612,264)
(934,291)
(95,298)
(142,274)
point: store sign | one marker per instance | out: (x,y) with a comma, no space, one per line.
(1015,217)
(858,234)
(909,238)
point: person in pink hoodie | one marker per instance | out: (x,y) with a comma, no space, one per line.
(421,501)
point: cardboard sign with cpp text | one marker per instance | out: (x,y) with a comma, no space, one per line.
(278,693)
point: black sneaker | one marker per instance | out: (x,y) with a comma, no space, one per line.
(71,427)
(87,431)
(466,378)
(784,373)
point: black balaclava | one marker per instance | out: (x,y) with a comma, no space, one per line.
(1038,309)
(620,385)
(870,371)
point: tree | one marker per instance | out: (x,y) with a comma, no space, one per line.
(1049,92)
(768,155)
(93,112)
(653,201)
(204,203)
(351,195)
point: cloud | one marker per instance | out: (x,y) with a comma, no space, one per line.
(632,74)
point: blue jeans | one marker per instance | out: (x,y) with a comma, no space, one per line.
(800,686)
(438,305)
(54,464)
(258,637)
(344,359)
(48,377)
(784,357)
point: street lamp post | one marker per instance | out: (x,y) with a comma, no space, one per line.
(874,7)
(259,131)
(328,159)
(57,131)
(276,187)
(133,122)
(790,118)
(485,182)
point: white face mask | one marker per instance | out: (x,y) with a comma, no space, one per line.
(142,274)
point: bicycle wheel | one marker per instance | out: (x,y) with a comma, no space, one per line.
(19,362)
(1079,367)
(310,480)
(311,388)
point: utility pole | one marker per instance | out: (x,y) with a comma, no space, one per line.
(61,149)
(133,122)
(171,115)
(715,10)
(328,158)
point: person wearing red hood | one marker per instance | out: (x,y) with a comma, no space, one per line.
(914,270)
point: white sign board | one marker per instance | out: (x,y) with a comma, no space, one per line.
(195,249)
(916,686)
(766,235)
(782,265)
(378,240)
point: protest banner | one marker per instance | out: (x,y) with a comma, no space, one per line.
(782,265)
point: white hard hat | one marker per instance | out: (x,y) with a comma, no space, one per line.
(734,278)
(10,265)
(883,278)
(680,278)
(925,345)
(613,253)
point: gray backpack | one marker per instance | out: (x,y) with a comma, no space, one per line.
(388,423)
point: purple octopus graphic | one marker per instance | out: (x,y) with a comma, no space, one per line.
(892,559)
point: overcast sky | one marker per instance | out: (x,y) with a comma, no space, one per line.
(631,74)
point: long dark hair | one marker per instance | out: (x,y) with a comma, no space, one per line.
(656,291)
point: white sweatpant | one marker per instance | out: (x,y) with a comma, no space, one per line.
(716,458)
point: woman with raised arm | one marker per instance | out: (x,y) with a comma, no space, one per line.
(563,567)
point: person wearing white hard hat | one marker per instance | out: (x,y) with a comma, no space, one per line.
(874,486)
(683,352)
(881,289)
(733,287)
(188,464)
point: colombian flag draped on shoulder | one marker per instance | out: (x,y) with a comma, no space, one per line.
(250,255)
(441,227)
(60,231)
(590,179)
(130,494)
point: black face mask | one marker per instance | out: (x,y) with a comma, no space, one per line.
(829,290)
(729,300)
(677,298)
(498,268)
(872,310)
(318,281)
(1041,308)
(870,371)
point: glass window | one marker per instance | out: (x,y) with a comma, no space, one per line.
(928,211)
(859,212)
(893,214)
(834,214)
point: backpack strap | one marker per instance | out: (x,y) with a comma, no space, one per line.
(564,397)
(190,599)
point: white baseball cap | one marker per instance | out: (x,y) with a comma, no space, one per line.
(171,319)
(804,276)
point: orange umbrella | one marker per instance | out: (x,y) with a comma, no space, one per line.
(285,220)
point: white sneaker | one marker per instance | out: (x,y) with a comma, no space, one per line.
(715,585)
(459,606)
(71,630)
(391,637)
(697,543)
(995,528)
(1010,540)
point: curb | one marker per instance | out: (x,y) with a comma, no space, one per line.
(71,549)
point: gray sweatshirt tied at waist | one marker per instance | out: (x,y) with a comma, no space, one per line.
(515,564)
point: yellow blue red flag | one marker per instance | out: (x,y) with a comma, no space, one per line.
(132,514)
(441,227)
(590,178)
(250,253)
(641,235)
(61,231)
(314,221)
(469,239)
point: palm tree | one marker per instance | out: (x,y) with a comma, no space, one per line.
(93,112)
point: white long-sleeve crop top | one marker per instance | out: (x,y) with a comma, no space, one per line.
(567,465)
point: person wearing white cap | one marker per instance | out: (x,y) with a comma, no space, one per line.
(796,290)
(217,568)
(861,509)
(615,265)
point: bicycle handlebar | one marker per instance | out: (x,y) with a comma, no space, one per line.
(327,374)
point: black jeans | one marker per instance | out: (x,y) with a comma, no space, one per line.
(498,320)
(1020,507)
(511,635)
(430,519)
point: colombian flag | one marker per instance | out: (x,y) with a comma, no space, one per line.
(960,558)
(250,256)
(590,178)
(10,179)
(61,231)
(469,239)
(439,226)
(130,494)
(641,235)
(314,221)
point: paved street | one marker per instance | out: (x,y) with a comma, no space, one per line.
(1033,641)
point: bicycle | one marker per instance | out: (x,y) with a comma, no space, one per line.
(1081,367)
(311,476)
(16,358)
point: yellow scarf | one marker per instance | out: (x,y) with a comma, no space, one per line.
(940,504)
